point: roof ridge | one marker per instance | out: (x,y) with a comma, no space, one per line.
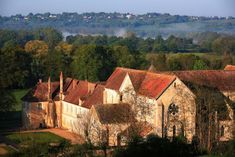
(145,71)
(219,70)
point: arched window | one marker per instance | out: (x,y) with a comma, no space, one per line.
(174,131)
(222,131)
(173,109)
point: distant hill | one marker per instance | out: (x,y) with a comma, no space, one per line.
(145,25)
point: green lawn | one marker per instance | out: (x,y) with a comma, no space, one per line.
(19,93)
(35,143)
(36,137)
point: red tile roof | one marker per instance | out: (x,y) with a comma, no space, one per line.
(114,113)
(229,67)
(78,90)
(223,80)
(95,98)
(154,84)
(40,92)
(145,83)
(67,83)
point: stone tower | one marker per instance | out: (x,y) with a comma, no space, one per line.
(59,105)
(51,116)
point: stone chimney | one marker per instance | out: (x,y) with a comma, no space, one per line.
(49,88)
(74,82)
(61,85)
(90,87)
(152,68)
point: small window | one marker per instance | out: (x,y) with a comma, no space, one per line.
(174,131)
(222,131)
(39,106)
(121,98)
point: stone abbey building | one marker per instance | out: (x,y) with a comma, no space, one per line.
(177,103)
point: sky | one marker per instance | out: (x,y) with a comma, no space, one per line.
(174,7)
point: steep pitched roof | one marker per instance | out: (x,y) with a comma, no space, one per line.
(67,83)
(145,83)
(40,92)
(117,77)
(154,84)
(95,98)
(78,90)
(221,79)
(229,67)
(114,113)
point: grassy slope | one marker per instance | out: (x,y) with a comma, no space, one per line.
(19,93)
(38,137)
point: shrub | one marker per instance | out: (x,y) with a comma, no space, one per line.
(156,146)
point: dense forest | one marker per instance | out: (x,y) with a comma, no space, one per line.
(144,25)
(27,56)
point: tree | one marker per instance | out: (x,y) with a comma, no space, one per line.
(64,47)
(227,59)
(51,36)
(94,63)
(173,64)
(159,44)
(122,56)
(172,43)
(187,61)
(158,60)
(224,45)
(12,73)
(37,48)
(145,45)
(7,35)
(15,68)
(200,65)
(7,101)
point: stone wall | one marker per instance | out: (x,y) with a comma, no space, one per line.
(34,114)
(178,106)
(73,116)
